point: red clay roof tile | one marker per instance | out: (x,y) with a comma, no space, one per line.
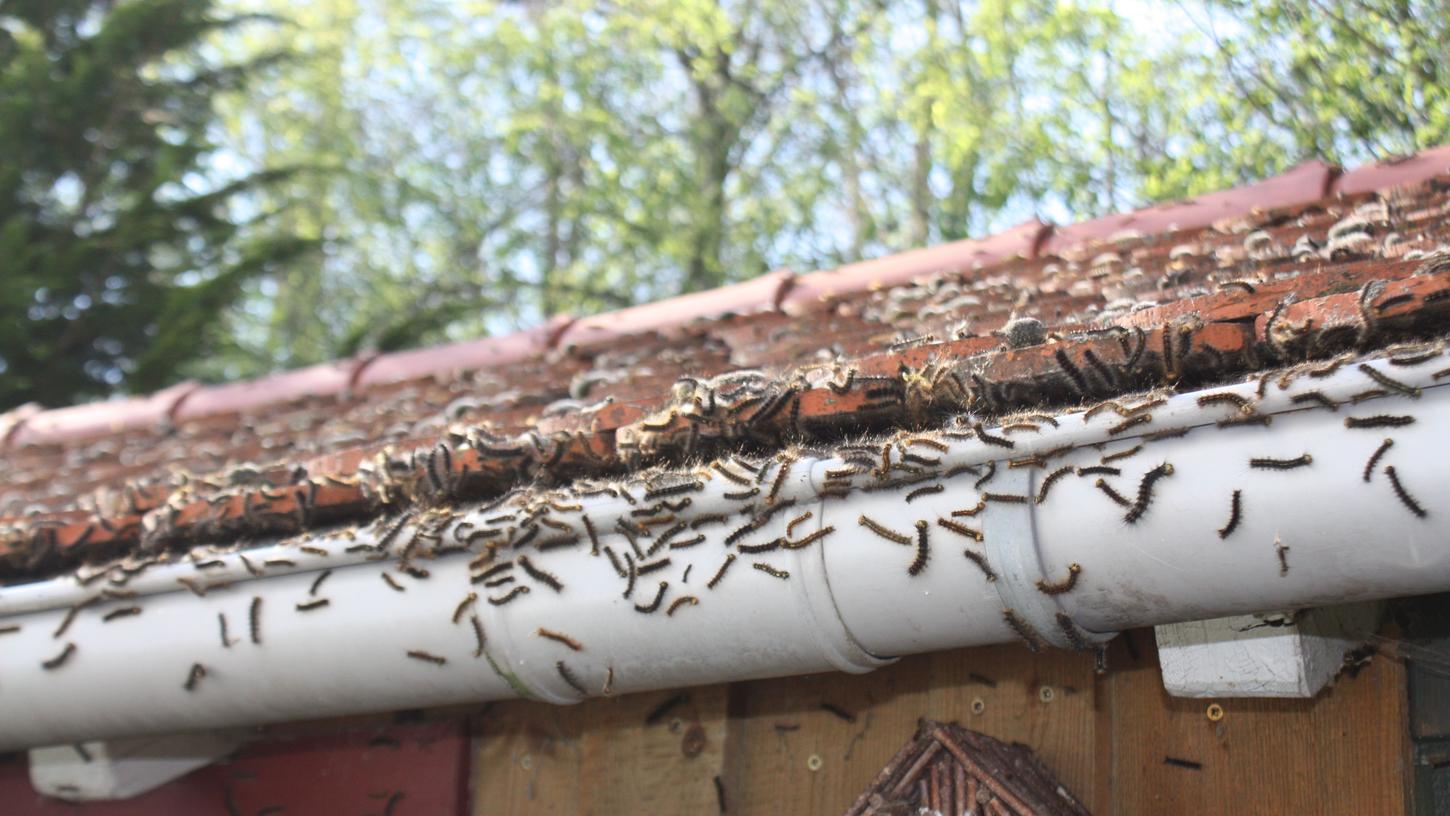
(1395,172)
(469,355)
(893,270)
(95,419)
(1149,313)
(322,380)
(673,315)
(1305,183)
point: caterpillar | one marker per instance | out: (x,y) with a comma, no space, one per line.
(1057,588)
(1145,491)
(720,573)
(427,657)
(561,638)
(254,617)
(885,533)
(655,604)
(981,561)
(681,601)
(1405,498)
(1270,463)
(1049,480)
(959,529)
(468,600)
(568,677)
(1374,458)
(509,596)
(540,575)
(1234,514)
(1389,382)
(769,570)
(923,550)
(1378,421)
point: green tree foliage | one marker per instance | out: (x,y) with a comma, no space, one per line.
(486,164)
(117,241)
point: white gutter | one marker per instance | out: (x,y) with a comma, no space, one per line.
(848,604)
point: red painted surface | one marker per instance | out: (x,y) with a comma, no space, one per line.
(355,772)
(323,380)
(1308,182)
(894,270)
(485,352)
(672,316)
(1395,172)
(100,418)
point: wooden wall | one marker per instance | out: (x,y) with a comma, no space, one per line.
(775,749)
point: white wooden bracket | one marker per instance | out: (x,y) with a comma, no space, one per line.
(1291,654)
(120,769)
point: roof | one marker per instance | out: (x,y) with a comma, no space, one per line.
(1302,266)
(949,769)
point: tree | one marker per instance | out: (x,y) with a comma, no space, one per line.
(119,241)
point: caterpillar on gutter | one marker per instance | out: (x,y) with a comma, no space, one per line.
(311,605)
(681,601)
(633,574)
(1317,397)
(971,511)
(1069,630)
(1234,422)
(959,529)
(1108,490)
(1049,480)
(1129,423)
(60,659)
(981,562)
(222,624)
(1389,382)
(392,582)
(1099,470)
(509,596)
(1270,463)
(1063,586)
(655,604)
(568,677)
(1404,495)
(542,576)
(1374,458)
(673,490)
(560,637)
(1378,421)
(1234,514)
(987,477)
(478,637)
(999,441)
(1240,402)
(468,600)
(769,570)
(1027,633)
(427,657)
(317,582)
(720,573)
(193,677)
(923,550)
(809,539)
(1145,491)
(798,520)
(254,616)
(924,491)
(878,529)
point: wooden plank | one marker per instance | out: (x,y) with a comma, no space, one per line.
(600,756)
(1342,752)
(773,756)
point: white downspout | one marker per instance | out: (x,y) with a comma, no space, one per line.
(848,604)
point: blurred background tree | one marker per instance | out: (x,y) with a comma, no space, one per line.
(477,166)
(121,246)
